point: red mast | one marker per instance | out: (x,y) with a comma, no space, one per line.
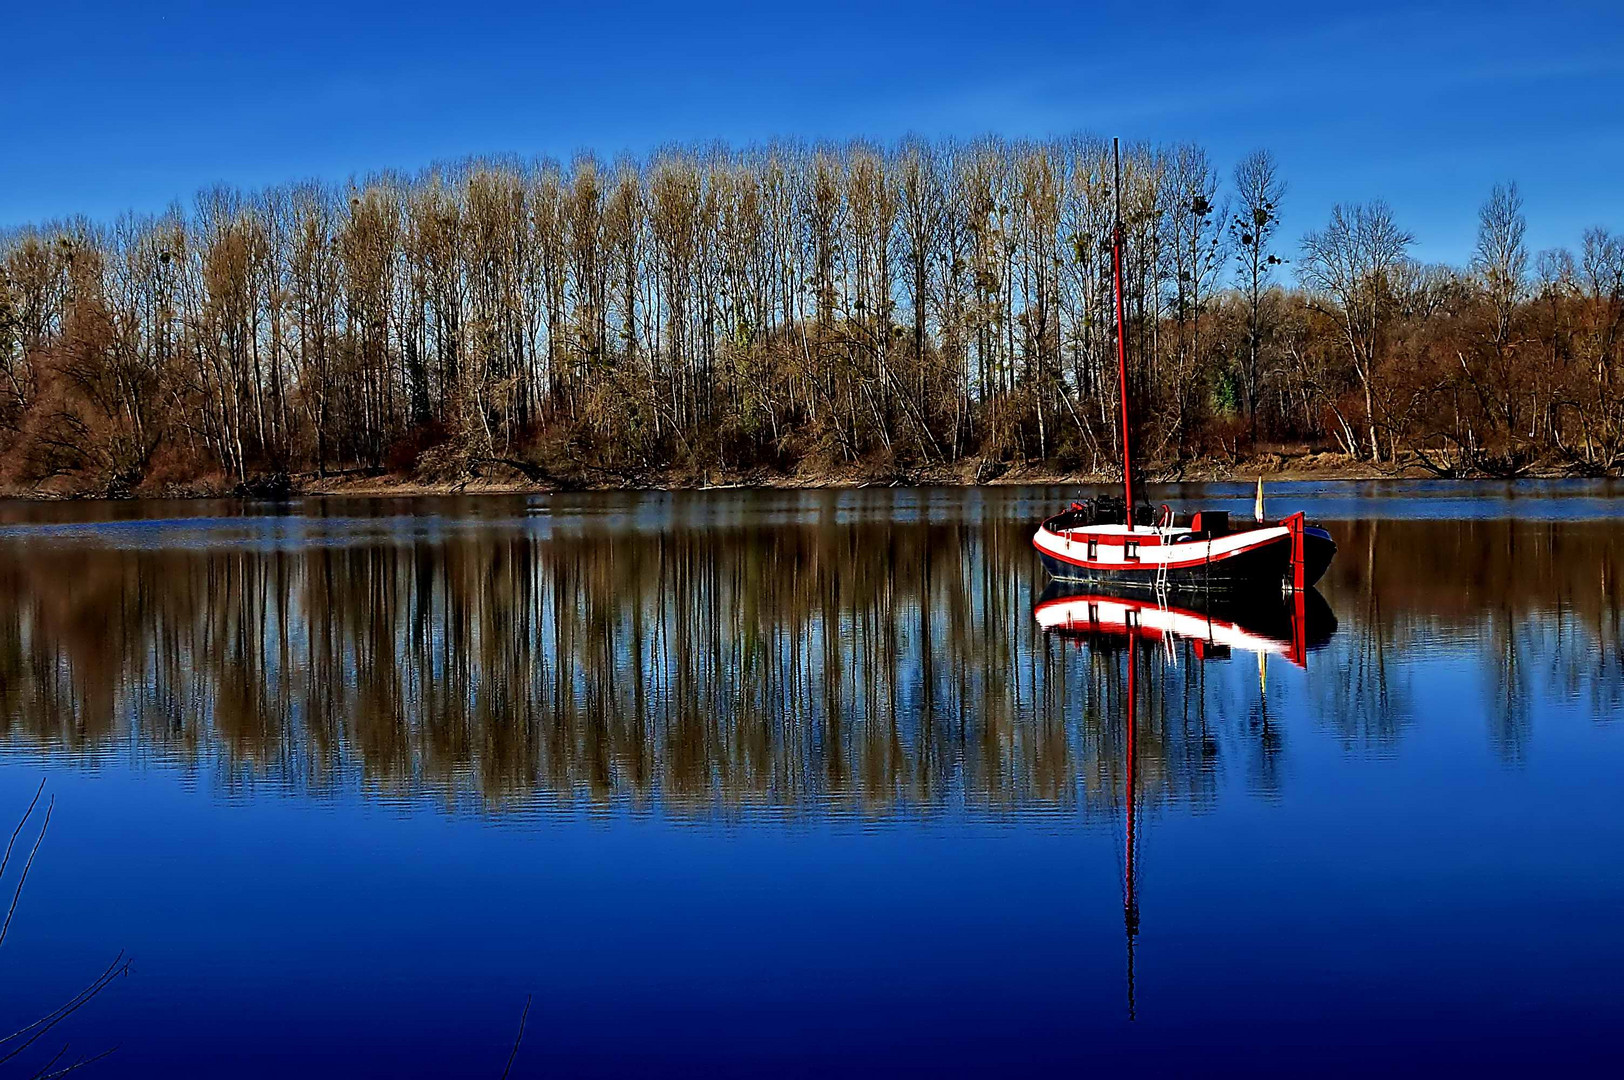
(1122,340)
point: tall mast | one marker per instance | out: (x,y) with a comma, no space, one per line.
(1122,339)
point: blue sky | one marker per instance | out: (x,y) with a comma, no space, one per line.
(106,107)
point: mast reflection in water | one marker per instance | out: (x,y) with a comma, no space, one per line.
(1153,631)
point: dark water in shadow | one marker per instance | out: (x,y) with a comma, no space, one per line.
(745,783)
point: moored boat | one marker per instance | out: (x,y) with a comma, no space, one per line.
(1206,552)
(1123,544)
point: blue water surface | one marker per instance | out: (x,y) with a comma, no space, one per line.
(743,784)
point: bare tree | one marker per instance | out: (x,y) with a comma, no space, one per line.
(1500,258)
(1193,254)
(1350,265)
(1258,192)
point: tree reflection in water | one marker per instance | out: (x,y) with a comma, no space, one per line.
(869,668)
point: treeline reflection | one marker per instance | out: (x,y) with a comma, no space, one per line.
(869,669)
(1535,609)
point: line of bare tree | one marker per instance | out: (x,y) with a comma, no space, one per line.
(709,310)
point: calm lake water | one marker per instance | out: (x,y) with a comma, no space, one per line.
(778,783)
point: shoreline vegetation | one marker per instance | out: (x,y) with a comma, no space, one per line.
(500,480)
(792,315)
(1329,467)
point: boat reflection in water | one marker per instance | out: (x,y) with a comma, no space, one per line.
(1213,627)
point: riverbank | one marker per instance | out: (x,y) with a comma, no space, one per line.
(501,478)
(968,473)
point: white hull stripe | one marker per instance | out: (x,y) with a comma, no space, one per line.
(1111,553)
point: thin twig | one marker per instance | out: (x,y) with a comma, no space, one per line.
(27,866)
(50,1064)
(515,1053)
(7,858)
(76,1066)
(119,966)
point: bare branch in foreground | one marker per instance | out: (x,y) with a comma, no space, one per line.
(36,1030)
(5,860)
(22,879)
(523,1017)
(20,1040)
